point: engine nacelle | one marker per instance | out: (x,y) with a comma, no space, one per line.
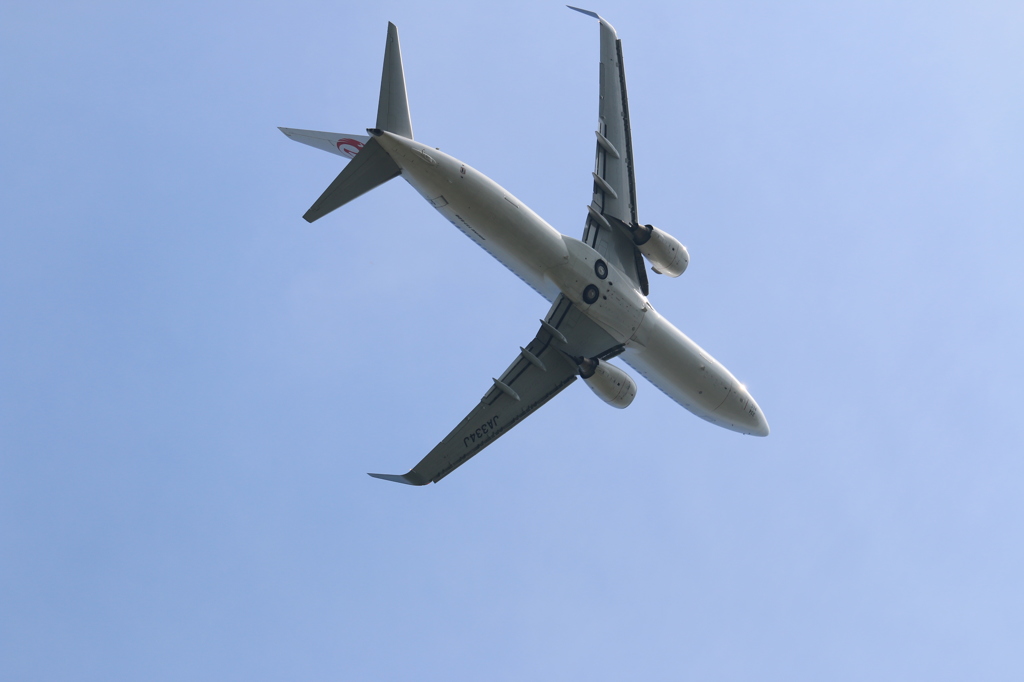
(610,383)
(664,251)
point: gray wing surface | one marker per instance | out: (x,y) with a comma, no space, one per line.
(540,372)
(613,208)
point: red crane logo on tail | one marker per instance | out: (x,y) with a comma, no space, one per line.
(349,147)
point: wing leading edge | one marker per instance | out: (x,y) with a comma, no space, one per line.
(613,208)
(540,372)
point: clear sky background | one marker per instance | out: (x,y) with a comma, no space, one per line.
(194,381)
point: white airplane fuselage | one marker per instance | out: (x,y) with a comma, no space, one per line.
(553,263)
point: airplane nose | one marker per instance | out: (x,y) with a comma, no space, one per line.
(756,421)
(743,412)
(761,429)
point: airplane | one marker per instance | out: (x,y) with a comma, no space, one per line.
(597,285)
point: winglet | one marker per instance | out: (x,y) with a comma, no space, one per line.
(596,16)
(585,11)
(408,479)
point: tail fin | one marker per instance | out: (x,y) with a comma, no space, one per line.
(371,166)
(393,106)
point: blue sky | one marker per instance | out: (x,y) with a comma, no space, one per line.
(193,381)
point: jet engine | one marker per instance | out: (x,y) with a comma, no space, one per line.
(610,383)
(666,254)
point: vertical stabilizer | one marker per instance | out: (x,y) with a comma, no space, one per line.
(393,107)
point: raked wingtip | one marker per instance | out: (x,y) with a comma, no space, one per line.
(585,11)
(398,478)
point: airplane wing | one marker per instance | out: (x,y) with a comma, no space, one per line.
(541,370)
(613,208)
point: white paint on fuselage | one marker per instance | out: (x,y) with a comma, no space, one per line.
(552,263)
(498,222)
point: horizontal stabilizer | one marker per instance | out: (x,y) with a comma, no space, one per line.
(408,479)
(342,144)
(370,168)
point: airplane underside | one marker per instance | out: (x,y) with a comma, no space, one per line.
(597,285)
